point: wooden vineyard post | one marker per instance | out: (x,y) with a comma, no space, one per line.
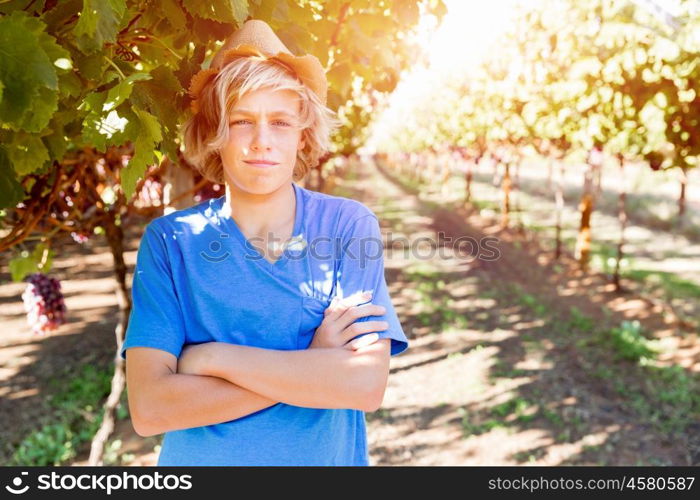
(622,218)
(505,205)
(559,203)
(469,164)
(583,241)
(115,238)
(682,195)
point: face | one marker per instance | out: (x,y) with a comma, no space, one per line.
(264,137)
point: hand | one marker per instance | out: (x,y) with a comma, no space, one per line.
(339,326)
(196,358)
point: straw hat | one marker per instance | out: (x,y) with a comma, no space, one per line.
(256,38)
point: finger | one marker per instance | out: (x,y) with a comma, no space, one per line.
(363,341)
(361,328)
(352,314)
(331,307)
(368,309)
(339,306)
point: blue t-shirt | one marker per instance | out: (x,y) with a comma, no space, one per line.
(198,279)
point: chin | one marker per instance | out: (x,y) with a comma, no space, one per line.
(260,190)
(261,185)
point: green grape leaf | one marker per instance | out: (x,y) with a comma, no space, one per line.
(225,11)
(323,30)
(98,23)
(165,78)
(22,265)
(43,107)
(153,54)
(123,134)
(340,78)
(27,153)
(92,132)
(121,91)
(69,85)
(170,147)
(61,14)
(163,95)
(24,67)
(174,14)
(56,144)
(11,191)
(91,66)
(56,140)
(43,264)
(53,50)
(296,38)
(206,30)
(240,10)
(148,135)
(372,25)
(25,263)
(262,10)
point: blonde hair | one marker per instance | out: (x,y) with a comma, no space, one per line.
(208,130)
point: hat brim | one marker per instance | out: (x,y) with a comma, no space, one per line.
(307,67)
(200,80)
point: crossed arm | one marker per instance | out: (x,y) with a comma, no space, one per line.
(218,382)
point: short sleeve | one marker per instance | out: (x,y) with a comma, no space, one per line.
(361,268)
(156,318)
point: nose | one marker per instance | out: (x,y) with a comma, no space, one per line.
(261,138)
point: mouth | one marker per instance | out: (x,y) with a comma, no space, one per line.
(261,163)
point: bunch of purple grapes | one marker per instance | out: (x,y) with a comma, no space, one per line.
(43,303)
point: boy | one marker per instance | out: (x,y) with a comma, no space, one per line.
(241,354)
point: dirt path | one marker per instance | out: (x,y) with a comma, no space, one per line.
(508,376)
(508,362)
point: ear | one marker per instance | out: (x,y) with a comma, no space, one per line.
(302,142)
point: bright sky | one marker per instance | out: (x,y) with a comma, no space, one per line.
(458,45)
(467,29)
(471,25)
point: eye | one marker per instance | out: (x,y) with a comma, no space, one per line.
(239,122)
(282,123)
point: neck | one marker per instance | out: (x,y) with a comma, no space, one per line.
(261,213)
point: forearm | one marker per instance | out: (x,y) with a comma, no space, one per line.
(179,401)
(312,378)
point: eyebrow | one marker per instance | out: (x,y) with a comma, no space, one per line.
(250,113)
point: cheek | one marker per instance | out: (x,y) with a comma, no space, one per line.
(237,137)
(286,146)
(236,145)
(297,143)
